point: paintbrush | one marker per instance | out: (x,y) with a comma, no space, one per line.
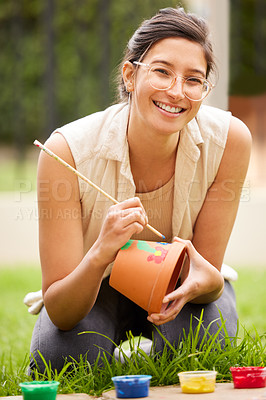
(50,153)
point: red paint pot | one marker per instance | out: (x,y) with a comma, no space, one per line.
(248,377)
(146,271)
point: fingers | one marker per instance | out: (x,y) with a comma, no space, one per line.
(195,258)
(121,222)
(191,251)
(200,284)
(128,216)
(179,299)
(130,221)
(128,212)
(129,203)
(187,243)
(169,315)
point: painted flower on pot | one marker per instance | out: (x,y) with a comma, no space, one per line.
(158,256)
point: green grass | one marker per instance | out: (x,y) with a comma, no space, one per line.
(191,354)
(16,326)
(251,298)
(15,175)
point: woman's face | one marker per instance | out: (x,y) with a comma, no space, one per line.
(185,58)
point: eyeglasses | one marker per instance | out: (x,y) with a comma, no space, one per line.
(162,78)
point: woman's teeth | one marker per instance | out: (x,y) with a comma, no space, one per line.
(174,110)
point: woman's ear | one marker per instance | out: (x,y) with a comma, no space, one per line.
(128,71)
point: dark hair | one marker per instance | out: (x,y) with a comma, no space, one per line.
(169,22)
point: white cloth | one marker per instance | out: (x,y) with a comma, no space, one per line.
(34,301)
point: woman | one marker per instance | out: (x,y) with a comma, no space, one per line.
(167,159)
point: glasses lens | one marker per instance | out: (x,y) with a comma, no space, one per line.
(196,88)
(160,78)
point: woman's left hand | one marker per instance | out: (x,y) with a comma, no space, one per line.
(203,283)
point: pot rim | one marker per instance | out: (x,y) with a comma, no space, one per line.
(161,283)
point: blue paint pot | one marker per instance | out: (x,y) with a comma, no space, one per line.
(132,386)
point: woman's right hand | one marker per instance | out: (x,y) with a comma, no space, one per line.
(122,221)
(70,279)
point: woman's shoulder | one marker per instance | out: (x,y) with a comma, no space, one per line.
(221,130)
(212,112)
(239,135)
(214,124)
(220,124)
(86,136)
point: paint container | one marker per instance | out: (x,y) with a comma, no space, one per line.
(46,390)
(248,377)
(197,381)
(146,272)
(132,386)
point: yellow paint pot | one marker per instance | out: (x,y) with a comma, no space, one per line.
(197,381)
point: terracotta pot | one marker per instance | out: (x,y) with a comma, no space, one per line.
(146,271)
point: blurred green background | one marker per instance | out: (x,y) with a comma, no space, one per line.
(59,59)
(58,62)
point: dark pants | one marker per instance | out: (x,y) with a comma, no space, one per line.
(113,315)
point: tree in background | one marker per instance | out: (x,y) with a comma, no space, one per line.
(59,58)
(248,44)
(248,66)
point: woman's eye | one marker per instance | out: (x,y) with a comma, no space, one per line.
(195,80)
(161,71)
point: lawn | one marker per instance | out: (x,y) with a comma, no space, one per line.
(16,326)
(16,323)
(15,173)
(251,298)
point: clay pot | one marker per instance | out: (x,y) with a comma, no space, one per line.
(146,271)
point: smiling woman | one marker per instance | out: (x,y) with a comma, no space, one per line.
(171,88)
(161,153)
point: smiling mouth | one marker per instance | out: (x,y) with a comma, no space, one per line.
(172,110)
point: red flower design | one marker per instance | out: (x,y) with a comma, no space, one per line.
(158,256)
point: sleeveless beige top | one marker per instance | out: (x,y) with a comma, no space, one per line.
(99,147)
(158,205)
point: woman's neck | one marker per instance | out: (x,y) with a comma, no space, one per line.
(152,159)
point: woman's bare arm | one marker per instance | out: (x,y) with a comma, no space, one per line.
(201,279)
(71,281)
(217,216)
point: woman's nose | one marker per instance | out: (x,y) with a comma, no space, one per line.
(176,90)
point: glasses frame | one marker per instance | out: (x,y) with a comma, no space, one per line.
(210,85)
